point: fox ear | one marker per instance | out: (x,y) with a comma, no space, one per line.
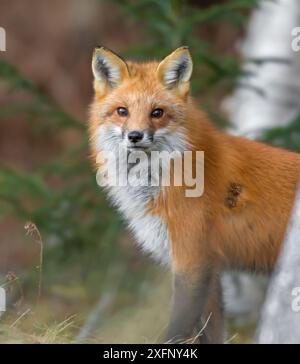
(176,69)
(108,68)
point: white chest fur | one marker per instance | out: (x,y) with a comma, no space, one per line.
(149,230)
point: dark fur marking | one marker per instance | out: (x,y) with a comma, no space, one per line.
(234,191)
(230,202)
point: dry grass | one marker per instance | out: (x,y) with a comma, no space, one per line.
(57,313)
(28,328)
(143,322)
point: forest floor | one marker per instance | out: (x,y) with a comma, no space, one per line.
(143,322)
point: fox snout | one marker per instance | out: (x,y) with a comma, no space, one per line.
(138,138)
(135,136)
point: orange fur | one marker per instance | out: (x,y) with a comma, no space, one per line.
(247,235)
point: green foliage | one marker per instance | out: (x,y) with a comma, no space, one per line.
(74,218)
(286,137)
(171,23)
(41,105)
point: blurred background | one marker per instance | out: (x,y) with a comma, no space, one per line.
(71,270)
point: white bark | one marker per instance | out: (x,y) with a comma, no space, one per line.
(280,318)
(269,93)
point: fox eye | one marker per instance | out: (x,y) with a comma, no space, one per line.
(157,113)
(122,111)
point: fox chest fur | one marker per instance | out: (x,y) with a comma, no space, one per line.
(133,202)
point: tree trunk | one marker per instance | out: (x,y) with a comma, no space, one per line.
(268,94)
(280,317)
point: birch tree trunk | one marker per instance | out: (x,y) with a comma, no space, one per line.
(280,318)
(268,95)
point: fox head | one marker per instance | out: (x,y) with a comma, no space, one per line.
(141,106)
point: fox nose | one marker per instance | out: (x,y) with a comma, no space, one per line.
(135,136)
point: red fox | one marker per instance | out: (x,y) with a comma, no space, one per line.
(239,221)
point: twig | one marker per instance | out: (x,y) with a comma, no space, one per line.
(20,317)
(202,329)
(32,230)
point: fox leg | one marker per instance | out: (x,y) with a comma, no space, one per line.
(189,299)
(212,330)
(197,311)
